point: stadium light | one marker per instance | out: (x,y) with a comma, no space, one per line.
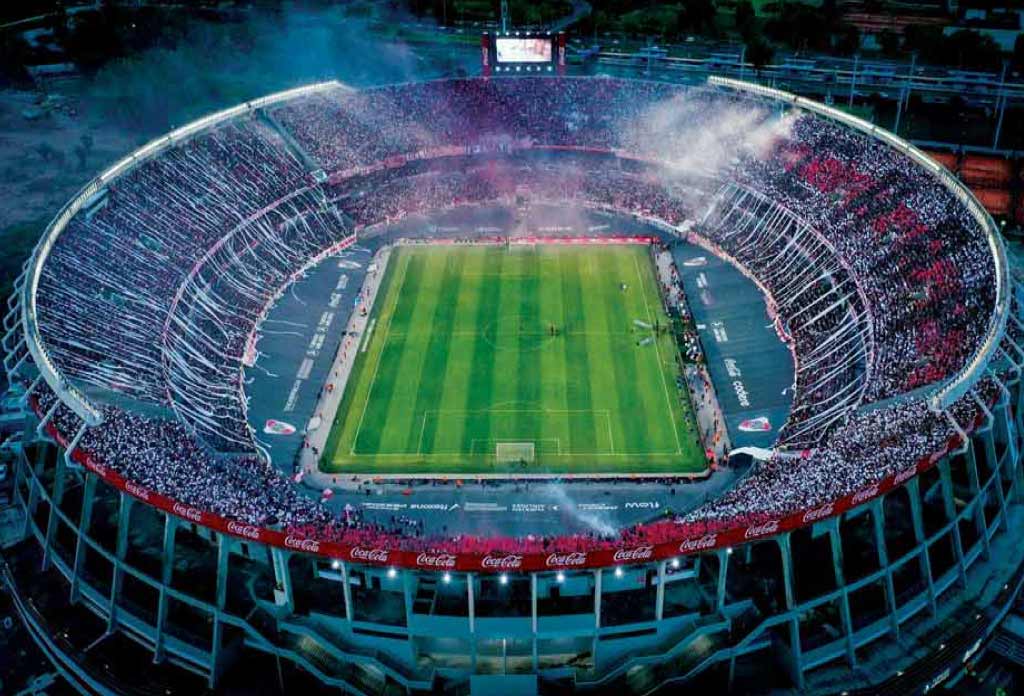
(728,550)
(503,578)
(392,572)
(675,562)
(618,571)
(335,564)
(446,578)
(560,576)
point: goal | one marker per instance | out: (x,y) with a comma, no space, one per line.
(514,452)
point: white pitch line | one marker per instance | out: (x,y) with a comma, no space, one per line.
(423,429)
(657,350)
(611,438)
(380,355)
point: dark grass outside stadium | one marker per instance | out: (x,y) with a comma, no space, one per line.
(563,349)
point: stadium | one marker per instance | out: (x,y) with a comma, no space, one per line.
(523,385)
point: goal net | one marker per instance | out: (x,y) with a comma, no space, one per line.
(514,452)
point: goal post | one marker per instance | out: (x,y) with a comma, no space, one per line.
(515,452)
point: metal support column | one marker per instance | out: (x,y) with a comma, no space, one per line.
(913,487)
(723,571)
(878,519)
(56,497)
(949,502)
(166,577)
(836,543)
(659,605)
(221,595)
(472,620)
(346,592)
(533,617)
(84,522)
(598,591)
(284,594)
(124,515)
(796,650)
(977,499)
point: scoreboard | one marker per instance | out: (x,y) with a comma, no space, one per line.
(518,52)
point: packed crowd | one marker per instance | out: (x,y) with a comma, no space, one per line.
(161,456)
(876,271)
(919,257)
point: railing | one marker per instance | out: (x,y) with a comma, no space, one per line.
(68,393)
(956,386)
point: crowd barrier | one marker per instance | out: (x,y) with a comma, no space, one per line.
(688,539)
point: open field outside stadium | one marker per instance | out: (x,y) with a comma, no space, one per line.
(531,359)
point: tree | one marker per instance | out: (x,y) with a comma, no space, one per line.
(697,16)
(973,50)
(83,149)
(46,152)
(847,40)
(889,41)
(759,52)
(745,18)
(14,55)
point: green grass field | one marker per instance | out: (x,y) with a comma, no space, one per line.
(531,347)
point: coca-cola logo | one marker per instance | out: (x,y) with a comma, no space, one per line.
(244,530)
(640,553)
(100,469)
(865,494)
(308,545)
(758,530)
(708,541)
(188,513)
(370,555)
(905,475)
(509,562)
(138,491)
(576,558)
(818,513)
(436,560)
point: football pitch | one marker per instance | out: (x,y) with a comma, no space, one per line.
(532,359)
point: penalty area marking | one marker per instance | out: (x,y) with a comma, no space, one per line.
(480,412)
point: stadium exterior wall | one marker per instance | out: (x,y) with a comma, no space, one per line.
(658,616)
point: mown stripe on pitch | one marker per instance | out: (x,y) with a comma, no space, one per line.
(434,368)
(339,442)
(662,378)
(531,341)
(552,375)
(383,384)
(410,368)
(366,363)
(480,389)
(501,417)
(577,355)
(444,434)
(631,410)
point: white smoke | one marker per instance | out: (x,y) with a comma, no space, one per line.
(589,519)
(697,136)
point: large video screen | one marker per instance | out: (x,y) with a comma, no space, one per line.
(517,50)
